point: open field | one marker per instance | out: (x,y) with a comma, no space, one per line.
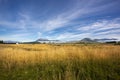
(59,62)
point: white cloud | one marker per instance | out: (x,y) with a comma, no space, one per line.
(39,33)
(59,20)
(102,25)
(72,36)
(77,11)
(16,37)
(109,32)
(63,19)
(52,24)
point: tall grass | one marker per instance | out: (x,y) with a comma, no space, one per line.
(59,62)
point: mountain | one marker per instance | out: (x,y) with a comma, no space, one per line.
(41,39)
(105,40)
(87,40)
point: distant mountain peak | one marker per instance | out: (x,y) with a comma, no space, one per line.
(98,40)
(87,40)
(105,39)
(42,39)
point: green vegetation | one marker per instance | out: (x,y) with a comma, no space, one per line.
(1,41)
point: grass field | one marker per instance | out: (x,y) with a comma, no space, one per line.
(59,62)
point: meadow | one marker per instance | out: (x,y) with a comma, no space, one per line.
(59,62)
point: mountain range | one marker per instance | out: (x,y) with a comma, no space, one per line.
(86,40)
(98,40)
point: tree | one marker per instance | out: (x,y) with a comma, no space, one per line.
(1,41)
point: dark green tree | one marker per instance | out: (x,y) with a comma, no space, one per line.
(1,41)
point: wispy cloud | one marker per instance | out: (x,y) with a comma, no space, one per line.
(16,37)
(76,12)
(26,24)
(62,19)
(102,25)
(98,29)
(71,36)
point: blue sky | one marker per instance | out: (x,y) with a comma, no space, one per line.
(28,20)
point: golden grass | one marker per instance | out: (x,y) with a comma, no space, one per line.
(35,53)
(59,62)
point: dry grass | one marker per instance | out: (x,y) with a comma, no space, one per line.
(23,53)
(12,56)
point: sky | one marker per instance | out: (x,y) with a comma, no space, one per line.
(29,20)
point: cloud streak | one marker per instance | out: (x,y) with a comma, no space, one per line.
(61,20)
(68,18)
(102,25)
